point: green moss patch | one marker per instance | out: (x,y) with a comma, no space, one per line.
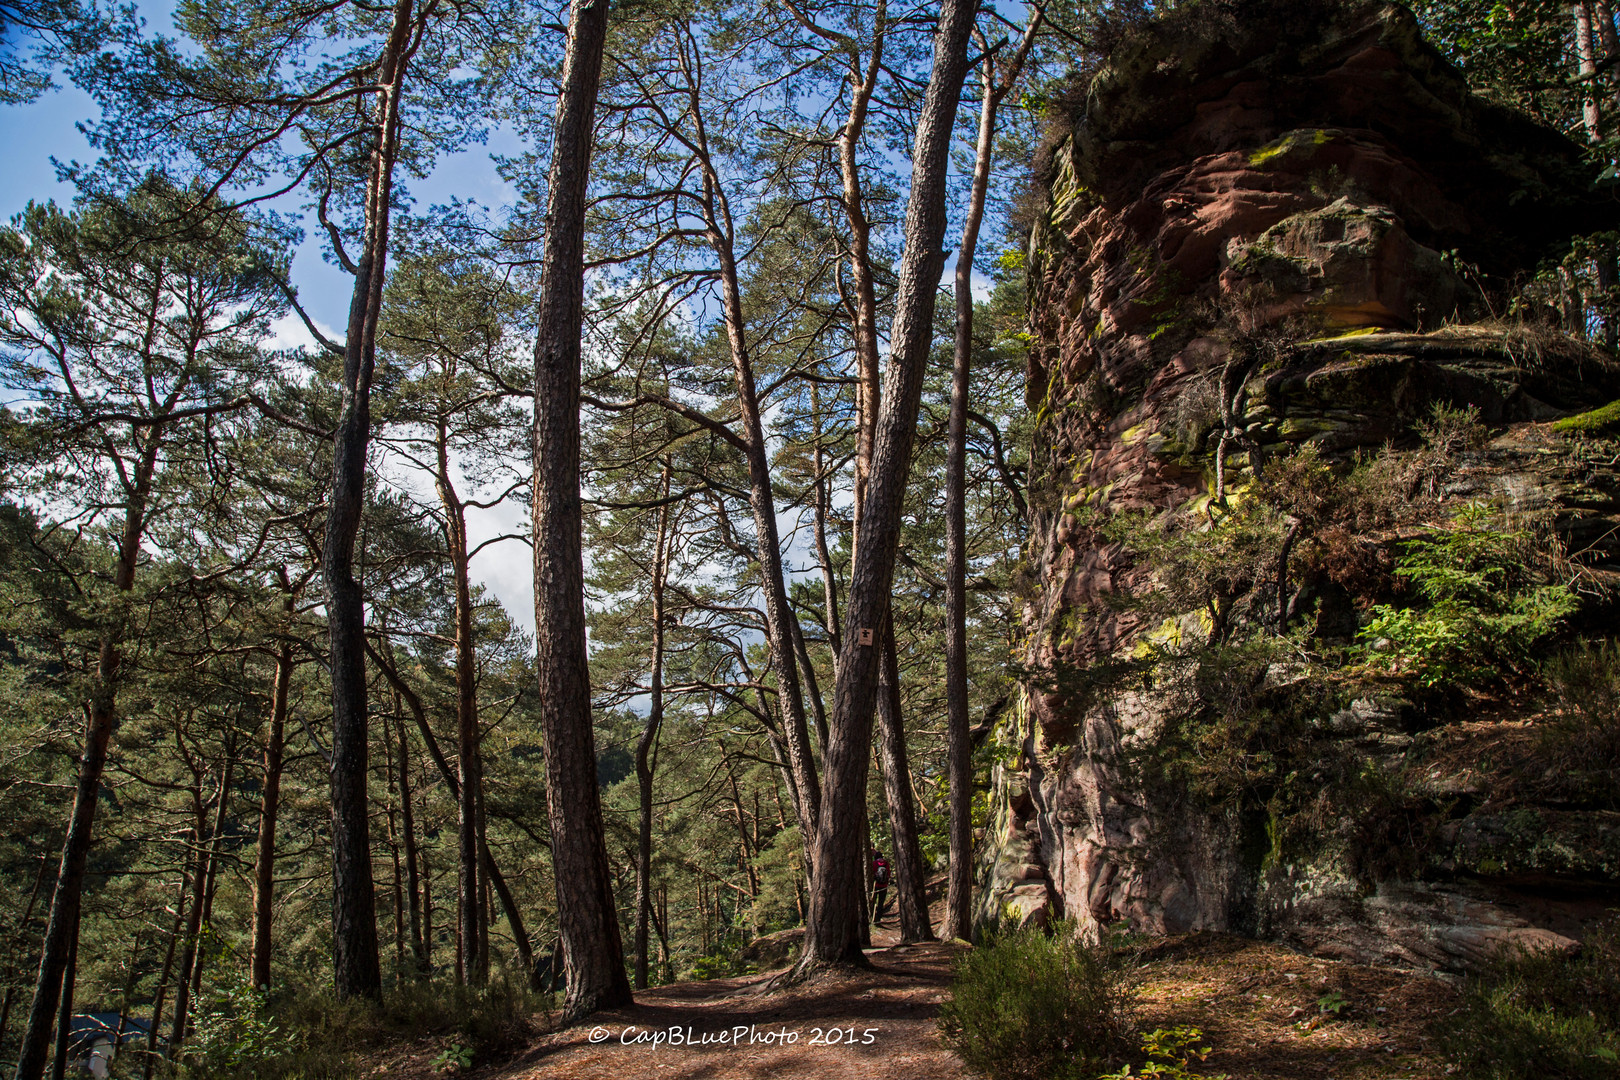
(1600,421)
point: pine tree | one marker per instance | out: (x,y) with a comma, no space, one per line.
(125,337)
(586,911)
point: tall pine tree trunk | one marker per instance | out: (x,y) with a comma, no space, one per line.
(1607,44)
(216,842)
(62,925)
(163,978)
(397,883)
(193,931)
(1591,43)
(864,303)
(762,500)
(64,1015)
(264,862)
(472,959)
(834,931)
(587,918)
(407,823)
(909,875)
(514,917)
(356,967)
(427,914)
(829,580)
(646,746)
(959,752)
(491,874)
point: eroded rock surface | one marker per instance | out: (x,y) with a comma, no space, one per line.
(1263,237)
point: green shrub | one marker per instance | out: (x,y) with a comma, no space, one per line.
(235,1031)
(488,1021)
(1479,610)
(721,966)
(1033,1006)
(1543,1015)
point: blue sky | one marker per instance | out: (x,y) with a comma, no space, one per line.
(34,133)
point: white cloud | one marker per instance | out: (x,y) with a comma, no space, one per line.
(289,332)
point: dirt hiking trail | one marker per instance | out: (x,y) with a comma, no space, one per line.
(1259,1006)
(866,1024)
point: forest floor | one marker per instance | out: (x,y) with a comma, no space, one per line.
(1259,1005)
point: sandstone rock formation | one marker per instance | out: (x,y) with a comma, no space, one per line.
(1265,236)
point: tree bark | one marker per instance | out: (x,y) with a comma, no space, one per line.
(812,686)
(829,580)
(216,842)
(1595,38)
(833,933)
(959,752)
(397,885)
(514,917)
(490,871)
(745,845)
(587,918)
(868,391)
(646,746)
(188,952)
(356,967)
(427,914)
(472,960)
(1586,54)
(133,973)
(264,862)
(64,1016)
(778,612)
(163,979)
(909,878)
(413,885)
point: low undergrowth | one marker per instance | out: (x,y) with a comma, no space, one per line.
(1580,743)
(1029,1005)
(1542,1015)
(309,1034)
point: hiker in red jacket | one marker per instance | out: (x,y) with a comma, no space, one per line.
(880,885)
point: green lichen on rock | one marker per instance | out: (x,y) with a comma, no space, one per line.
(1538,842)
(1307,140)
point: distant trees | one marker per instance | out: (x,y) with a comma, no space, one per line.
(448,327)
(333,99)
(1557,61)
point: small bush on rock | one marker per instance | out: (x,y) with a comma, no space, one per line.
(1030,1006)
(1480,606)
